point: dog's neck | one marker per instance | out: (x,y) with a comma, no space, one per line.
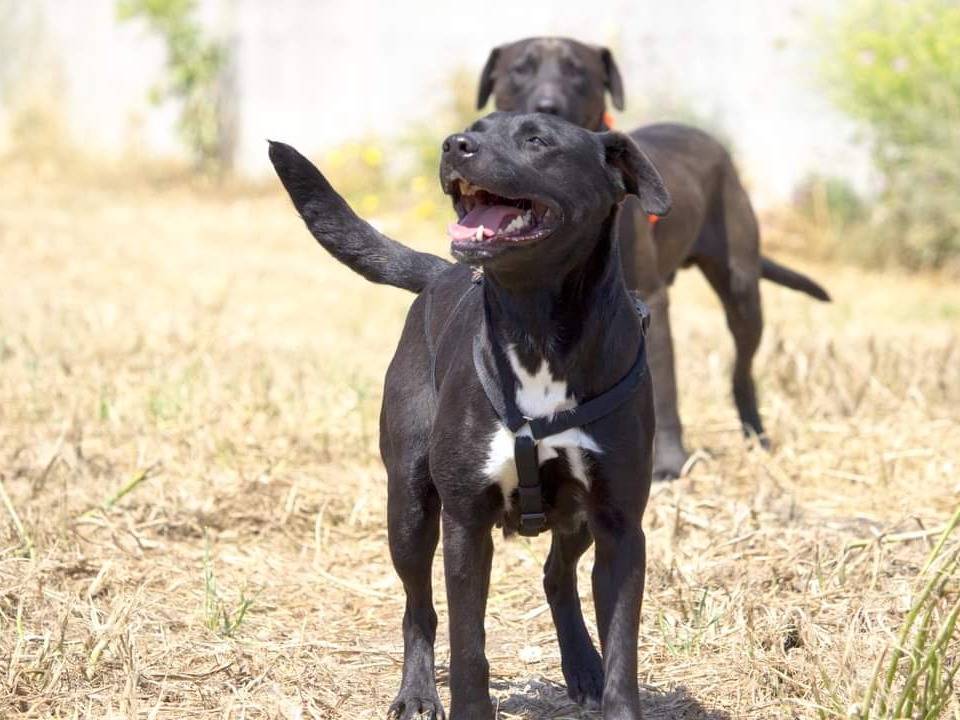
(573,318)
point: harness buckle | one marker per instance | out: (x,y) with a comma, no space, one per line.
(533,520)
(532,524)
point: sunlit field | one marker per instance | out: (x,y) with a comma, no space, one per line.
(193,506)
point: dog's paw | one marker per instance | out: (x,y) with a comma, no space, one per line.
(669,455)
(665,474)
(411,706)
(585,680)
(669,465)
(758,438)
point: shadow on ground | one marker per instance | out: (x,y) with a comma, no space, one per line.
(541,699)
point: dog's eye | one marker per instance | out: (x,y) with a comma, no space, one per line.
(523,67)
(570,68)
(538,141)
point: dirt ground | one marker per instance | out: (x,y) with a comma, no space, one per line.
(193,522)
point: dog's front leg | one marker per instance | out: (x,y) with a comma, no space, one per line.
(618,575)
(670,454)
(581,664)
(467,554)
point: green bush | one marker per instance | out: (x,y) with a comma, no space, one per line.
(829,199)
(895,67)
(194,67)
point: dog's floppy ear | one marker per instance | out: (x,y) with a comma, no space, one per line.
(640,177)
(487,78)
(612,80)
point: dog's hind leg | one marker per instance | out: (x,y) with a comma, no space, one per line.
(413,516)
(742,234)
(582,667)
(745,320)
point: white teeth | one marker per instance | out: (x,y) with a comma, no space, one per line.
(519,222)
(515,224)
(480,233)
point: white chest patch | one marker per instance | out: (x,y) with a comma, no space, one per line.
(538,395)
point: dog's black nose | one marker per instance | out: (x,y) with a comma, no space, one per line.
(461,144)
(548,106)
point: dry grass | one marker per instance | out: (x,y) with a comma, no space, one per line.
(188,399)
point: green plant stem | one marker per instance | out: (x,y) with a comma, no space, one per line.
(947,567)
(938,646)
(935,553)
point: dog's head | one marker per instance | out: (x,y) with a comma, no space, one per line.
(532,187)
(558,76)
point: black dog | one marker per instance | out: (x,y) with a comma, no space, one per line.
(712,224)
(536,371)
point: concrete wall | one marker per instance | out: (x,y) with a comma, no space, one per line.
(317,72)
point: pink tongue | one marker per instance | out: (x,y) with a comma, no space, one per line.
(492,217)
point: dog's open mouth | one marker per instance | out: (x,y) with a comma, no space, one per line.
(489,219)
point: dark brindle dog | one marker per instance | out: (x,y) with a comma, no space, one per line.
(547,345)
(712,224)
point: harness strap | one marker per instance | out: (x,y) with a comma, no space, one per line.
(596,408)
(434,347)
(427,324)
(501,395)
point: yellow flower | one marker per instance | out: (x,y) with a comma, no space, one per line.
(419,184)
(424,209)
(372,155)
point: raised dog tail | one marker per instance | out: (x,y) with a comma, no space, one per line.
(781,275)
(343,234)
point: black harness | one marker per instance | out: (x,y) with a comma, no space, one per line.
(500,389)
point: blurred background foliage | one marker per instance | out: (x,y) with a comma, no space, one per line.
(891,66)
(377,174)
(195,77)
(894,68)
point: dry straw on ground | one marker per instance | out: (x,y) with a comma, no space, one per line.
(193,507)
